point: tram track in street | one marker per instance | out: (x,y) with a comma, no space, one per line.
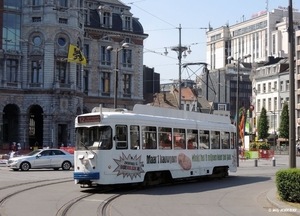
(29,183)
(18,191)
(103,207)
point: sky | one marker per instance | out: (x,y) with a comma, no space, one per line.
(161,20)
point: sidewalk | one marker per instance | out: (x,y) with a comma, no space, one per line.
(281,162)
(279,205)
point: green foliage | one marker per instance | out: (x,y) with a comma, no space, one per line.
(288,184)
(284,122)
(263,125)
(253,145)
(259,145)
(264,146)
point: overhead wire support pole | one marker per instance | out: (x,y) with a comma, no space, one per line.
(179,50)
(179,78)
(237,113)
(292,141)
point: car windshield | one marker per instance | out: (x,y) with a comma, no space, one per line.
(94,138)
(34,152)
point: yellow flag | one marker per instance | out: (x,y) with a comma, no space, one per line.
(75,55)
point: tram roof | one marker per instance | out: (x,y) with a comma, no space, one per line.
(181,114)
(166,112)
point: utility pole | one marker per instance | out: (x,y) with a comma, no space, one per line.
(292,141)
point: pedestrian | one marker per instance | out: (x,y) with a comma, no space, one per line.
(18,149)
(12,147)
(298,149)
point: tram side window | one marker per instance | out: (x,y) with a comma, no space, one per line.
(179,138)
(134,137)
(121,137)
(225,140)
(204,139)
(192,137)
(232,140)
(215,139)
(149,137)
(165,138)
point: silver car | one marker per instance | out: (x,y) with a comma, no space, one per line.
(42,158)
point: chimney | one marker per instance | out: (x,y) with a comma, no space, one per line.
(270,58)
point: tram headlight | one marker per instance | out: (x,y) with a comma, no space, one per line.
(80,157)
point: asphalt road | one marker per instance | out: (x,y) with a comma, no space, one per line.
(249,191)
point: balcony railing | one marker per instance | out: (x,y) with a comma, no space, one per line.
(12,84)
(35,85)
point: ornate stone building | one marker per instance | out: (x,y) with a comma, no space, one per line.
(41,91)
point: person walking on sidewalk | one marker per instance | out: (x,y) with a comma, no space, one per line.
(18,149)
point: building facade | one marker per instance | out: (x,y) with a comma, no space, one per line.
(41,91)
(264,35)
(220,87)
(271,91)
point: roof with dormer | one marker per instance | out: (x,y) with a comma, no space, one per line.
(117,24)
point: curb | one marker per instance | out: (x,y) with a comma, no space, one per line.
(281,207)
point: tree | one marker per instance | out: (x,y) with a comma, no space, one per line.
(263,125)
(284,122)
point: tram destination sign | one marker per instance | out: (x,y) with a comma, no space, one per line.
(89,119)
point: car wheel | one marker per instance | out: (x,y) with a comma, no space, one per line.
(66,165)
(25,166)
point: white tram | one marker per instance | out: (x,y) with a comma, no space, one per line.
(151,145)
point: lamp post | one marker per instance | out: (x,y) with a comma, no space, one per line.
(239,60)
(124,46)
(179,49)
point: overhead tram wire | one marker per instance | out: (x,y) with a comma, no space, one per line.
(193,72)
(211,87)
(159,53)
(135,2)
(132,3)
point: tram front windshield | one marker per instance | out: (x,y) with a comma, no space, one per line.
(94,138)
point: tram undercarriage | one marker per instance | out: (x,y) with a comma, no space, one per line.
(163,177)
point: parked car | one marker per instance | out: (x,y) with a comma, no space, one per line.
(42,158)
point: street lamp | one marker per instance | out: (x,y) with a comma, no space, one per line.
(179,49)
(124,46)
(240,59)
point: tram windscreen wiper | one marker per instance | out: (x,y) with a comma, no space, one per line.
(84,145)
